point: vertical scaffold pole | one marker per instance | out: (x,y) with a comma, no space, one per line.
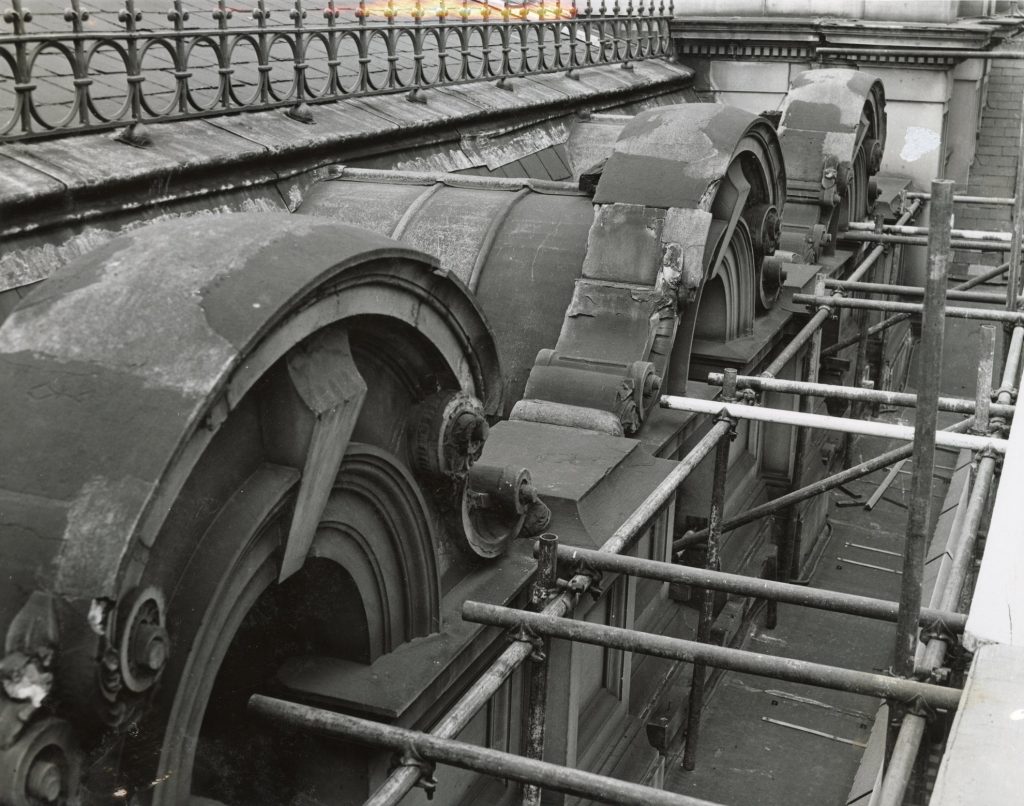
(1013,276)
(789,560)
(948,584)
(711,563)
(860,372)
(544,588)
(929,371)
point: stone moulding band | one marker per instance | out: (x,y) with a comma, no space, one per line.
(184,72)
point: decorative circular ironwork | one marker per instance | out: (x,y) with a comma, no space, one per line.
(189,72)
(29,105)
(283,68)
(204,72)
(96,104)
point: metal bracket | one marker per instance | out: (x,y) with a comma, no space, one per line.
(725,417)
(918,707)
(583,568)
(938,629)
(425,780)
(1007,390)
(528,636)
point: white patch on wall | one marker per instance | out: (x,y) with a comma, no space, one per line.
(918,142)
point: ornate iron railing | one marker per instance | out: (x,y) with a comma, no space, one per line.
(87,80)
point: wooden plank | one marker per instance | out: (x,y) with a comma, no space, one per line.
(876,496)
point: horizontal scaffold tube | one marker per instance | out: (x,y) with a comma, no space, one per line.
(402,780)
(467,756)
(902,229)
(991,274)
(845,425)
(834,601)
(922,240)
(959,405)
(819,318)
(813,489)
(891,306)
(736,660)
(915,291)
(1004,201)
(797,343)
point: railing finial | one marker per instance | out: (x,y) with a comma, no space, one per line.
(176,14)
(76,16)
(222,14)
(261,13)
(129,17)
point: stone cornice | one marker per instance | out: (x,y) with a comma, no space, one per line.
(789,38)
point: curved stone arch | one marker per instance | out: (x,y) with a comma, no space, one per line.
(398,576)
(156,357)
(215,318)
(737,169)
(669,219)
(724,308)
(833,131)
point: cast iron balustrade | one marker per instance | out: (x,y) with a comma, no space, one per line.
(88,80)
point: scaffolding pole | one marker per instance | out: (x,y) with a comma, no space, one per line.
(698,680)
(736,660)
(545,588)
(403,779)
(426,748)
(789,556)
(846,425)
(790,547)
(921,240)
(813,489)
(900,229)
(929,375)
(912,727)
(915,291)
(1003,201)
(1013,278)
(958,405)
(833,349)
(813,325)
(767,589)
(981,314)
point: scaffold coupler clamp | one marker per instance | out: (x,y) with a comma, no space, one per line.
(989,452)
(726,417)
(939,630)
(918,707)
(528,636)
(747,397)
(585,579)
(830,309)
(425,779)
(1005,390)
(540,595)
